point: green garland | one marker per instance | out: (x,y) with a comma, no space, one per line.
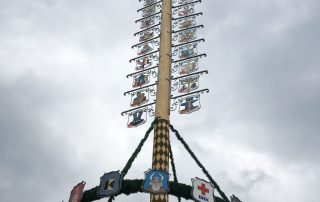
(199,164)
(135,186)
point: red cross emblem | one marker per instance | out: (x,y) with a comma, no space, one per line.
(203,189)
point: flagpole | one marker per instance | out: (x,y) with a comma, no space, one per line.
(160,157)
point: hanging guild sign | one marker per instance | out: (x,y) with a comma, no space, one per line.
(188,66)
(147,23)
(139,98)
(148,2)
(149,11)
(202,191)
(143,63)
(76,193)
(137,118)
(187,51)
(188,84)
(146,35)
(186,10)
(187,36)
(156,182)
(145,48)
(189,104)
(140,80)
(110,184)
(233,198)
(187,22)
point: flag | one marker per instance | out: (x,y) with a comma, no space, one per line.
(76,193)
(234,198)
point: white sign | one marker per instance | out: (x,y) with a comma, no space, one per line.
(202,190)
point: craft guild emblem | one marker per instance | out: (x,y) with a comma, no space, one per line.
(156,182)
(110,184)
(202,190)
(190,104)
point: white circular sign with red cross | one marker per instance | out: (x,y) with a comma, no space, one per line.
(202,190)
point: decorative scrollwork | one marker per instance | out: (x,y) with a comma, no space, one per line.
(153,91)
(174,104)
(175,52)
(158,16)
(175,36)
(174,68)
(174,85)
(159,5)
(175,24)
(156,42)
(154,73)
(174,11)
(150,110)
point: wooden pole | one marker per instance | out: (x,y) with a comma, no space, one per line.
(160,157)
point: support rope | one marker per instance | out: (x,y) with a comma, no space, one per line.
(138,149)
(135,154)
(199,164)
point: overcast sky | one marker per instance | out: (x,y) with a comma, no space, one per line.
(62,76)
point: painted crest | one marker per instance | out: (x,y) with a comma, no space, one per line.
(188,84)
(186,10)
(146,35)
(143,63)
(147,23)
(188,66)
(156,182)
(110,184)
(137,118)
(233,198)
(187,36)
(139,98)
(76,193)
(186,22)
(189,104)
(145,48)
(188,50)
(149,11)
(140,80)
(202,190)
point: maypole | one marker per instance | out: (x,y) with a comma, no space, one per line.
(160,157)
(171,74)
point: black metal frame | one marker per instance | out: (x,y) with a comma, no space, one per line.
(153,26)
(194,41)
(149,6)
(150,16)
(195,73)
(143,55)
(199,1)
(195,14)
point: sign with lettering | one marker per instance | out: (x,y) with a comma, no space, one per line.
(202,191)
